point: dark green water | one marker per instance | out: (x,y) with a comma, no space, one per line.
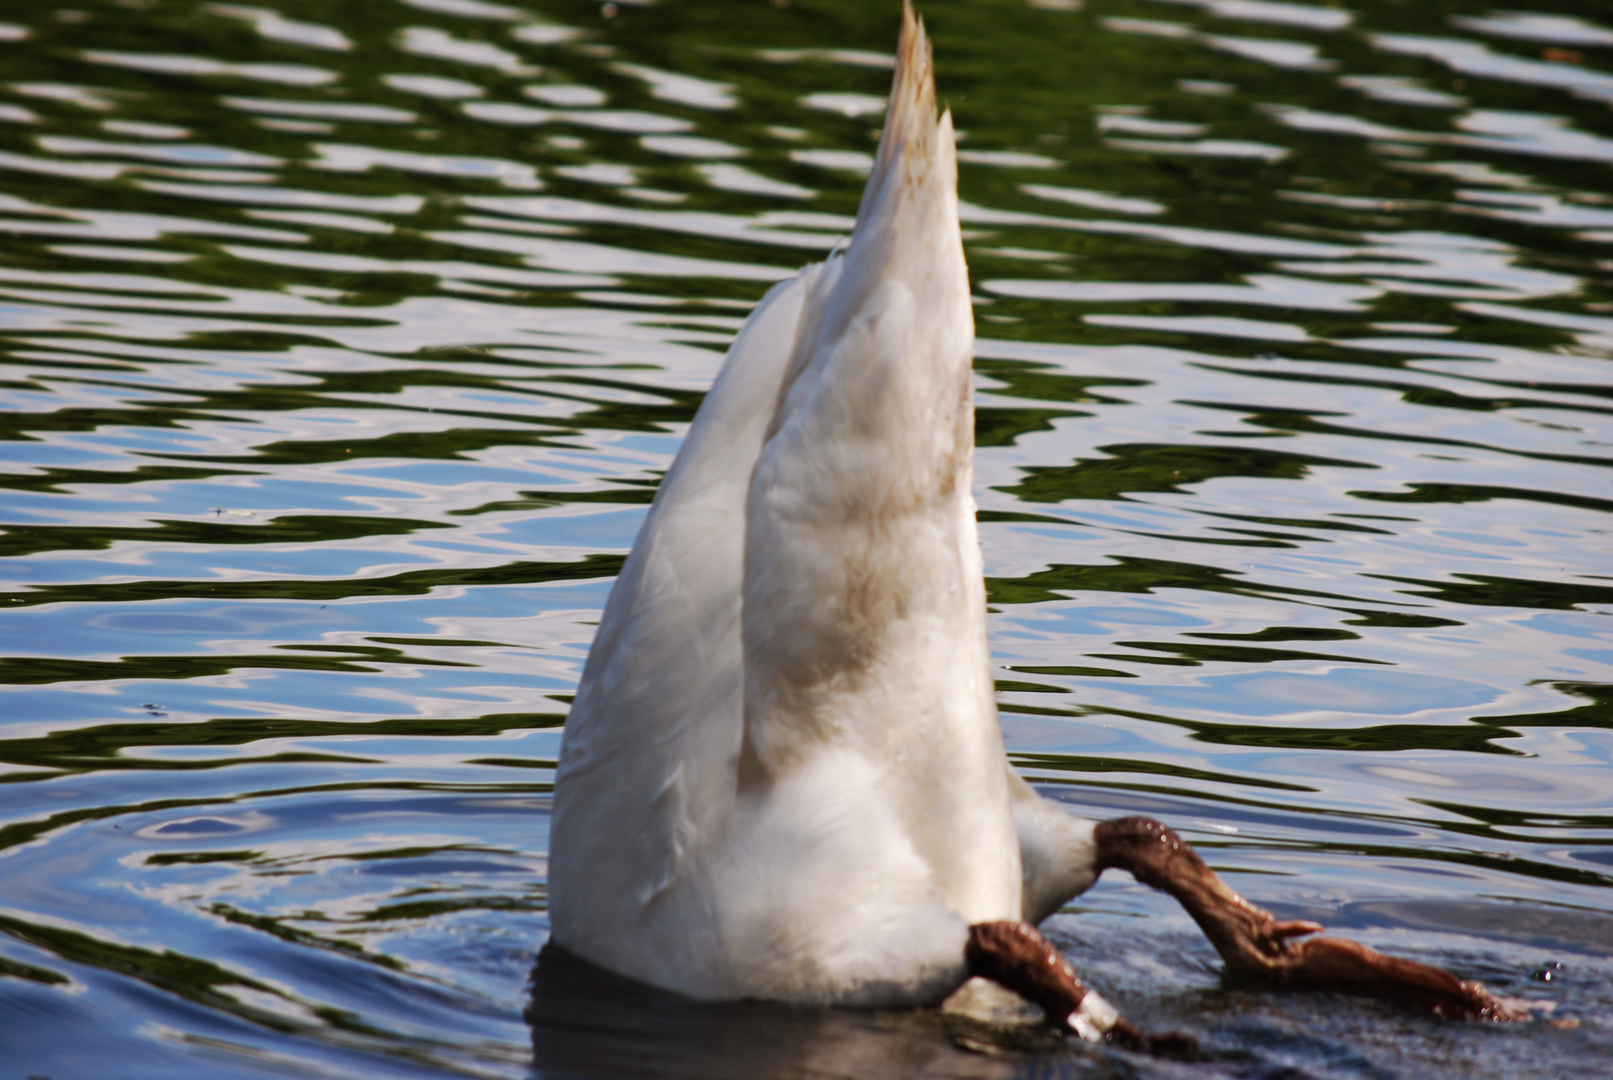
(345,341)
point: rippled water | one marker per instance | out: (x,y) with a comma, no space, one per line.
(345,342)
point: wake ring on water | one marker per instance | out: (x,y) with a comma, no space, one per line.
(206,826)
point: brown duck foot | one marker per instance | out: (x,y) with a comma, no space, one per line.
(1348,967)
(1016,955)
(1256,945)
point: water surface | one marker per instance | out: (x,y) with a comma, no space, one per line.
(345,342)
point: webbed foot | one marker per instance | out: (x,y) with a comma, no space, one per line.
(1257,945)
(1016,955)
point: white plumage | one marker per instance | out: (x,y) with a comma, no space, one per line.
(783,775)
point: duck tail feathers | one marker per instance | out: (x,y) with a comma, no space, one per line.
(909,144)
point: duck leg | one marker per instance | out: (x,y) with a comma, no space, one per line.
(1256,944)
(1016,955)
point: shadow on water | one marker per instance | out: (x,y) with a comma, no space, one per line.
(589,1023)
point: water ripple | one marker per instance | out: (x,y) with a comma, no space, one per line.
(345,349)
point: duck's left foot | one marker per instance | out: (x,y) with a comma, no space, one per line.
(1016,955)
(1255,944)
(1328,963)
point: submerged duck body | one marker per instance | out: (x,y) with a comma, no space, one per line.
(783,775)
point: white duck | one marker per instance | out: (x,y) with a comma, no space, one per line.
(783,775)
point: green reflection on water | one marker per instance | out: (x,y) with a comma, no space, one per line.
(431,350)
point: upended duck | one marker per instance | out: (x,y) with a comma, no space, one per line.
(783,775)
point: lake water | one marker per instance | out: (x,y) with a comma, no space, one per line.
(345,342)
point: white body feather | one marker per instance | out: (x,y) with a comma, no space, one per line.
(783,775)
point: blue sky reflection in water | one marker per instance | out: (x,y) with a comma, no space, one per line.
(345,342)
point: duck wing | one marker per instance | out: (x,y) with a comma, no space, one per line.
(649,754)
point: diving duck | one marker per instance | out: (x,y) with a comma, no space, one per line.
(783,775)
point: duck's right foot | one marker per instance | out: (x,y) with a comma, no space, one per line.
(1342,966)
(1257,945)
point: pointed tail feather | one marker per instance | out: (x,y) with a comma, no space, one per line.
(910,120)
